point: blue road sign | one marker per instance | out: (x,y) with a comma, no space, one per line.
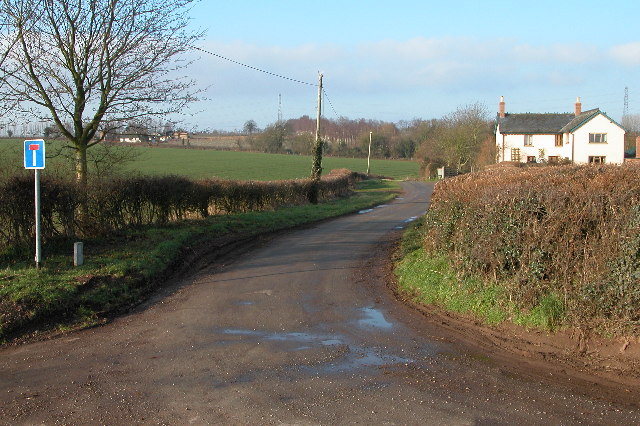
(34,154)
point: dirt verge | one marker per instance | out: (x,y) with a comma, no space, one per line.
(603,368)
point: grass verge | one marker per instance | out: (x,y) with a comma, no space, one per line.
(429,279)
(123,270)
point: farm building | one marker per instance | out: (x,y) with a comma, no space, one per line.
(589,137)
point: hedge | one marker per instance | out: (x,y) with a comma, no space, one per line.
(569,232)
(109,205)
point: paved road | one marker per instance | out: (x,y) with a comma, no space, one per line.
(298,331)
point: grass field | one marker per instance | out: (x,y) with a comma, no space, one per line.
(198,163)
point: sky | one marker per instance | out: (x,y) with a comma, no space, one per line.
(403,60)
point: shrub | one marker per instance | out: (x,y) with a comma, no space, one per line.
(118,202)
(572,232)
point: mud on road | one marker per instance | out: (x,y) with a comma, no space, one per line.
(299,330)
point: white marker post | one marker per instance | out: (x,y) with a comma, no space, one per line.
(34,159)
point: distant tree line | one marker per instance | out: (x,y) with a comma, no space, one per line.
(463,139)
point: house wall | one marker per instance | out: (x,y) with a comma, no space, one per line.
(613,149)
(546,143)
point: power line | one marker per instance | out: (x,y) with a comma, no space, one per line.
(253,68)
(271,74)
(330,103)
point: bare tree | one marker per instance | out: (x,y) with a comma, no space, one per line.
(95,64)
(461,135)
(631,123)
(250,127)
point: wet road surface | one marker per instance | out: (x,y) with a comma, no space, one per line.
(301,330)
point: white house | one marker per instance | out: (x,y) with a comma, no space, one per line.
(582,137)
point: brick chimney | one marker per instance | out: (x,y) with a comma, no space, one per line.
(637,146)
(578,106)
(501,113)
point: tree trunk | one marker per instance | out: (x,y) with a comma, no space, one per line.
(82,212)
(81,165)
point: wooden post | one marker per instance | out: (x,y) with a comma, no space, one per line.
(316,168)
(369,156)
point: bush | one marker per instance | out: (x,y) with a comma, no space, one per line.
(565,237)
(116,203)
(59,199)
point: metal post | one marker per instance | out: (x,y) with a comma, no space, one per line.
(38,221)
(369,156)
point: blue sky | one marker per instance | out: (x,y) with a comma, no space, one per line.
(414,59)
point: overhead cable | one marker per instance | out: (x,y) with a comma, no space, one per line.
(253,68)
(330,103)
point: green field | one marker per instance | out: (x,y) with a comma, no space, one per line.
(200,163)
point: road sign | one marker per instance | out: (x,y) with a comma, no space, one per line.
(34,154)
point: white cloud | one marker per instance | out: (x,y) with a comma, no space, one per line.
(627,54)
(393,73)
(558,53)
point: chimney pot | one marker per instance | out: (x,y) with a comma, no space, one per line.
(578,106)
(501,112)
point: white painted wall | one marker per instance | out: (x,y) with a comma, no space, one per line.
(613,149)
(547,143)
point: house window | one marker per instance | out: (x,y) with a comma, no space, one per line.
(554,158)
(528,140)
(515,154)
(597,138)
(558,140)
(597,159)
(531,158)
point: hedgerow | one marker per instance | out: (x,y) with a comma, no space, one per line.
(568,234)
(116,203)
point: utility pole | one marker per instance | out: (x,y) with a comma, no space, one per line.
(369,156)
(316,168)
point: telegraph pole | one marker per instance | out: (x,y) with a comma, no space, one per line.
(316,169)
(369,156)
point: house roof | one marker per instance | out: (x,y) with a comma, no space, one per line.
(548,123)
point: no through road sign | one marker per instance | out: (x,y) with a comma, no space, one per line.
(34,154)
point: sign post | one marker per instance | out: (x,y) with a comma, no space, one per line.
(34,159)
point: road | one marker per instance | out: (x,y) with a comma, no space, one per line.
(300,330)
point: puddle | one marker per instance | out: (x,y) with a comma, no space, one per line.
(350,356)
(356,358)
(245,303)
(374,318)
(325,340)
(381,205)
(365,211)
(411,219)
